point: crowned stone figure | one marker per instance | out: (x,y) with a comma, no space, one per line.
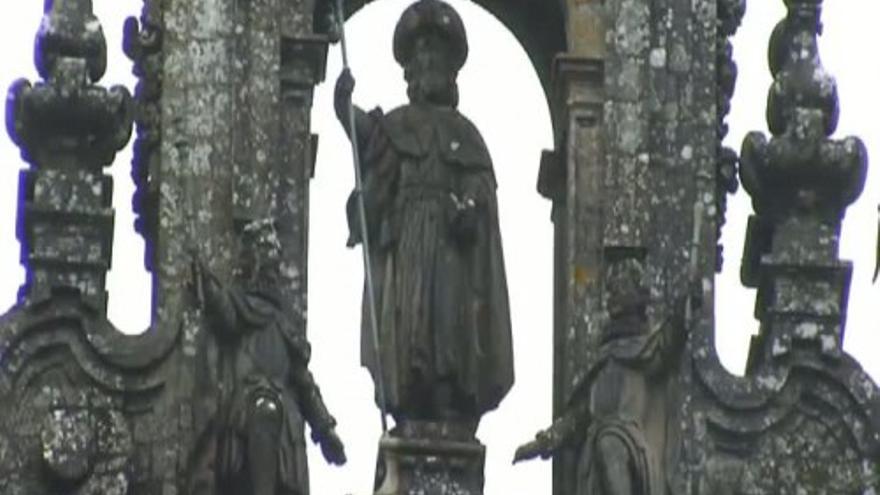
(444,339)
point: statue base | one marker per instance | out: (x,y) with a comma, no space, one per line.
(430,458)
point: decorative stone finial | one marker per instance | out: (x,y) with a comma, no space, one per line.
(68,129)
(66,114)
(810,171)
(801,183)
(70,31)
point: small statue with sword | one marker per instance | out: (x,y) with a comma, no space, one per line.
(619,420)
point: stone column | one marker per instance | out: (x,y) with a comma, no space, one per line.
(302,66)
(572,179)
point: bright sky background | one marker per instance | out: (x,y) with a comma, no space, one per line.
(501,94)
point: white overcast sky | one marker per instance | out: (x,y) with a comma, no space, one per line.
(501,94)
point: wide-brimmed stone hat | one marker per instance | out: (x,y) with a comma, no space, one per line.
(428,15)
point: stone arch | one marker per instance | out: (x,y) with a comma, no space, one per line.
(540,28)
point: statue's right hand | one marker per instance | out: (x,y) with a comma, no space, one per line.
(529,451)
(546,443)
(344,90)
(332,448)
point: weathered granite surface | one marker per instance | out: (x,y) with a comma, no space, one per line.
(804,418)
(638,92)
(115,412)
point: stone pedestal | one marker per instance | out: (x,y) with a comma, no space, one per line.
(430,458)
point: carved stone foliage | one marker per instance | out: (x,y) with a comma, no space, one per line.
(730,14)
(143,45)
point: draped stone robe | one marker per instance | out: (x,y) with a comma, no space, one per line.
(628,393)
(441,289)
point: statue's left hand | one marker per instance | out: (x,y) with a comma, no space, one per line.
(527,451)
(332,448)
(342,94)
(464,222)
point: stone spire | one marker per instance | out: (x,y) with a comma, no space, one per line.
(68,129)
(801,183)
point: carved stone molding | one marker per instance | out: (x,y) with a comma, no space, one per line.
(430,458)
(303,65)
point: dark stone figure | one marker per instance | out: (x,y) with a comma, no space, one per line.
(437,264)
(261,389)
(618,418)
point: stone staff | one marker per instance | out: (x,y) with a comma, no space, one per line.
(362,214)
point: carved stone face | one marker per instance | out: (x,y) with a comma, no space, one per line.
(260,257)
(430,71)
(626,294)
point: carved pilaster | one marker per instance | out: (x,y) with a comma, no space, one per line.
(201,63)
(303,65)
(573,177)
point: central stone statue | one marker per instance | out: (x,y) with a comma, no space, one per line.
(432,221)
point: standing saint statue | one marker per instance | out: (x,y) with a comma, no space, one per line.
(432,220)
(620,419)
(259,392)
